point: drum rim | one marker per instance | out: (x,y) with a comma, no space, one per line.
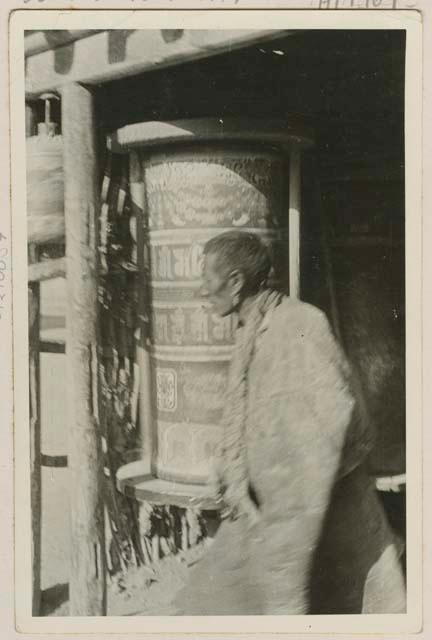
(294,131)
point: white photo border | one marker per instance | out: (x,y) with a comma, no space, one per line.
(410,21)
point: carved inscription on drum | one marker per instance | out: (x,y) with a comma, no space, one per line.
(176,259)
(207,191)
(176,262)
(191,391)
(186,447)
(208,387)
(166,389)
(191,326)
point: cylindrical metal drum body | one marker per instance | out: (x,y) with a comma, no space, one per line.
(45,188)
(193,195)
(195,190)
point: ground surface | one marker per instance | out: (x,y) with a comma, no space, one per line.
(141,591)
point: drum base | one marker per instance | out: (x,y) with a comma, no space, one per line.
(135,480)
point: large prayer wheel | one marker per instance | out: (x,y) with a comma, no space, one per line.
(45,186)
(190,181)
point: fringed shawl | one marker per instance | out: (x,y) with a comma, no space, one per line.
(233,472)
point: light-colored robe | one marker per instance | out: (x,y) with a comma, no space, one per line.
(321,543)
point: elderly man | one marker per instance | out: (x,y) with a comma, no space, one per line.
(302,529)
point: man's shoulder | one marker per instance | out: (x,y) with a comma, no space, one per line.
(293,313)
(287,346)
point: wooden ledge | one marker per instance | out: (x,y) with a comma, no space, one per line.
(292,131)
(394,484)
(135,480)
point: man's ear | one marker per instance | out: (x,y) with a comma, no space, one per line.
(236,281)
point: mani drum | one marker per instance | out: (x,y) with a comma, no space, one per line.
(45,187)
(189,181)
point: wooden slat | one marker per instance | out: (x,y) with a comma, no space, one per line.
(87,577)
(395,484)
(47,270)
(52,346)
(114,54)
(59,462)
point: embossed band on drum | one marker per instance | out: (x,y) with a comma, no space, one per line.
(176,256)
(209,353)
(194,441)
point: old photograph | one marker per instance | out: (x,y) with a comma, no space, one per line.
(216,233)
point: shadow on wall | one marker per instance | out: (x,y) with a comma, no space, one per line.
(117,43)
(63,55)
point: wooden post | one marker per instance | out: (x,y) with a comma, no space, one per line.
(184,532)
(87,584)
(35,425)
(35,436)
(30,120)
(294,223)
(147,435)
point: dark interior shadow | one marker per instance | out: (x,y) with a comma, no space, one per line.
(395,508)
(354,537)
(53,598)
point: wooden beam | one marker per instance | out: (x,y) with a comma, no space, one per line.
(47,270)
(115,54)
(294,223)
(87,581)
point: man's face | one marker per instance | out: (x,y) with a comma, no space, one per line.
(215,288)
